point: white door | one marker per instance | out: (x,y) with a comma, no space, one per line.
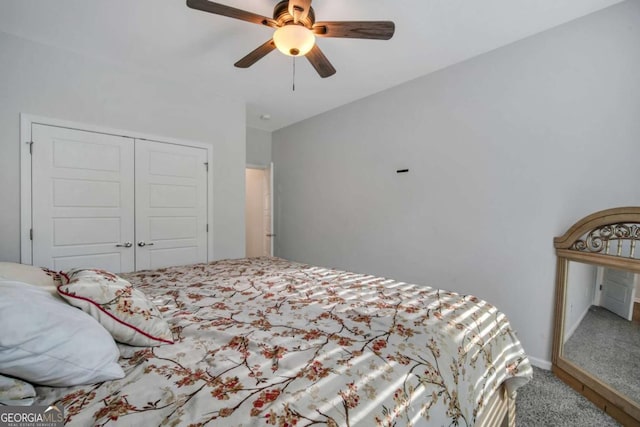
(171,205)
(82,199)
(618,292)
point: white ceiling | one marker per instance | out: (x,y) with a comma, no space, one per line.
(166,37)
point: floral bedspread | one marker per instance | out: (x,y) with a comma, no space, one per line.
(268,342)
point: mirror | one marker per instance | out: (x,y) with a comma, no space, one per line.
(601,335)
(596,344)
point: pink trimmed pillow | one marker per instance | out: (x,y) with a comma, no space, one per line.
(124,311)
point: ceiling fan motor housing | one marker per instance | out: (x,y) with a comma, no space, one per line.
(282,16)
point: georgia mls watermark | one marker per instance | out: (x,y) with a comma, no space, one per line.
(32,416)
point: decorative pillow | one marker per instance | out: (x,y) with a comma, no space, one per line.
(37,276)
(46,341)
(124,311)
(16,392)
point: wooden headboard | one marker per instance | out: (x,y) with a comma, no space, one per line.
(610,237)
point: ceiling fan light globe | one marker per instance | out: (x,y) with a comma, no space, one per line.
(294,40)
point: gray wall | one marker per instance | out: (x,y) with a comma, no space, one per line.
(258,147)
(42,80)
(581,290)
(505,151)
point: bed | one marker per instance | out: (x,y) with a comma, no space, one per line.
(265,341)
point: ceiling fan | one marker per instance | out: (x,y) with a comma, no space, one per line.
(296,30)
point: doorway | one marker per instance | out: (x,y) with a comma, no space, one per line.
(259,211)
(616,291)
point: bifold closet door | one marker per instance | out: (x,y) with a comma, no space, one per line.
(171,204)
(83,199)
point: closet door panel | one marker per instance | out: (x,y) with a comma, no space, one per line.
(171,205)
(83,199)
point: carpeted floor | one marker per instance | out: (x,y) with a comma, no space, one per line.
(608,346)
(547,401)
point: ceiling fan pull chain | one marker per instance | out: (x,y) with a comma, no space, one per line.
(294,74)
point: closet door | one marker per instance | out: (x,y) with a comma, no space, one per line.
(171,205)
(83,199)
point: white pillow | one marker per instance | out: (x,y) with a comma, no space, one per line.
(16,392)
(124,311)
(46,341)
(36,276)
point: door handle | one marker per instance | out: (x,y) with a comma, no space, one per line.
(124,245)
(143,243)
(271,235)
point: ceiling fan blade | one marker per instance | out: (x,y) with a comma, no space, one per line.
(231,12)
(379,30)
(299,9)
(320,62)
(256,55)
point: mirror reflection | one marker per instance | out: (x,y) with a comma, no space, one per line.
(602,325)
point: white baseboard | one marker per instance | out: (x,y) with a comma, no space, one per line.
(539,363)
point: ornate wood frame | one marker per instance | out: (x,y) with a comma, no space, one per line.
(596,239)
